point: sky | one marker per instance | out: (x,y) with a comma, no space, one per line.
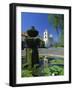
(40,21)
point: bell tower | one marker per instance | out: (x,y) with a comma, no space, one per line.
(46,38)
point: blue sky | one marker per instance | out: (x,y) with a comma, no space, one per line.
(40,21)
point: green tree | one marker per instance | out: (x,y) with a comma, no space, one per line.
(57,21)
(40,43)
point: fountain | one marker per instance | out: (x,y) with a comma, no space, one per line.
(31,42)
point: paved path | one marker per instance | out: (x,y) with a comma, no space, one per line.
(52,52)
(59,52)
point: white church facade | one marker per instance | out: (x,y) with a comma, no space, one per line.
(47,38)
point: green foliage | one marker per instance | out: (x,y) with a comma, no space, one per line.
(26,73)
(35,71)
(24,65)
(57,70)
(57,61)
(38,70)
(40,43)
(46,71)
(57,21)
(62,38)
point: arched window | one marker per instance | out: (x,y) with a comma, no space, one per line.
(45,36)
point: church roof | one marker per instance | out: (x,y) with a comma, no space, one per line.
(24,34)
